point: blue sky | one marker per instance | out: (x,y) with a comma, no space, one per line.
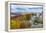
(25,8)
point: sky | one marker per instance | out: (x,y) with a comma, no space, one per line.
(25,8)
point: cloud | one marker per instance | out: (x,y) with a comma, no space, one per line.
(25,8)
